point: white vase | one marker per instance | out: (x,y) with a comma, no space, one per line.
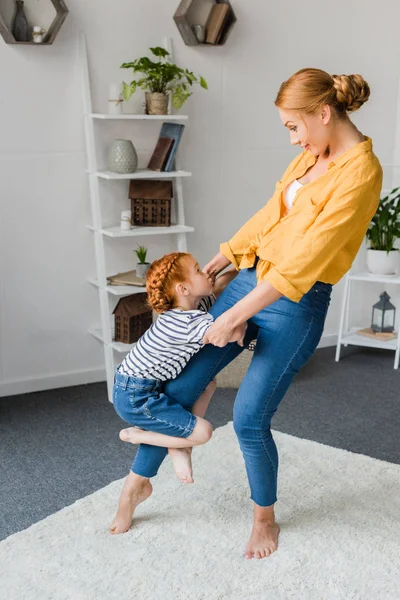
(141,269)
(379,262)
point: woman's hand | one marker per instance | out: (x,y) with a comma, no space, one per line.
(216,265)
(221,333)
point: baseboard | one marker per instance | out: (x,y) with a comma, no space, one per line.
(55,381)
(62,380)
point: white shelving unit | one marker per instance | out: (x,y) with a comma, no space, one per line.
(105,332)
(348,335)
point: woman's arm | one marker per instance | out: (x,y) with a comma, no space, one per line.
(221,331)
(216,265)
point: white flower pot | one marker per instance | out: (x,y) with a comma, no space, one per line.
(141,269)
(379,262)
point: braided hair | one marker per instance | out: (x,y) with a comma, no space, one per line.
(163,274)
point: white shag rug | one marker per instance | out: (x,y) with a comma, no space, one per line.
(340,535)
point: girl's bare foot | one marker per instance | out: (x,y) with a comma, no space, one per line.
(136,490)
(182,461)
(263,540)
(130,435)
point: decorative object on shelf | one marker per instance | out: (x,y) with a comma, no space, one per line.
(163,78)
(382,257)
(216,23)
(20,28)
(151,202)
(173,131)
(127,278)
(200,33)
(126,220)
(52,29)
(383,315)
(38,34)
(142,266)
(160,155)
(216,16)
(115,99)
(132,318)
(122,157)
(384,337)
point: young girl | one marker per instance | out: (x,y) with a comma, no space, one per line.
(181,293)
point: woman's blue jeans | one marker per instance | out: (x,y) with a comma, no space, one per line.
(287,335)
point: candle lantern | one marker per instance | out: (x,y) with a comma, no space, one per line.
(383,315)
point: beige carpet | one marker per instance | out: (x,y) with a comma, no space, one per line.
(339,514)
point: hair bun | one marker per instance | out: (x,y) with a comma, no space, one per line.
(351,90)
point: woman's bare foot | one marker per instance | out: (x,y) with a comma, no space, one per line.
(263,540)
(136,490)
(182,461)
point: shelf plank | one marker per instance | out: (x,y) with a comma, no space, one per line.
(117,346)
(143,174)
(365,276)
(354,339)
(117,232)
(120,290)
(137,117)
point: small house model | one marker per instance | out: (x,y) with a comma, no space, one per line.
(132,318)
(151,202)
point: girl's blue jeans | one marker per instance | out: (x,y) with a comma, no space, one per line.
(287,335)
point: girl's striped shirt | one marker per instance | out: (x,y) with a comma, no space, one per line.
(169,343)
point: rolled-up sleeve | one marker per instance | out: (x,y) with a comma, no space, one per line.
(342,223)
(248,235)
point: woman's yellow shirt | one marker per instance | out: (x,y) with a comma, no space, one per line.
(320,237)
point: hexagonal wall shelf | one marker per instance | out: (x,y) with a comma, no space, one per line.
(49,14)
(215,21)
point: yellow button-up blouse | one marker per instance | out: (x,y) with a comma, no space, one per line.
(320,237)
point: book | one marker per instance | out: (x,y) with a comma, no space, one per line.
(127,278)
(216,22)
(160,154)
(173,131)
(381,336)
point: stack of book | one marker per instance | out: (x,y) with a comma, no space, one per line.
(216,23)
(164,153)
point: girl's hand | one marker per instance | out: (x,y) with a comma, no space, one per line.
(221,333)
(216,265)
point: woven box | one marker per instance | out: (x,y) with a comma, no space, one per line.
(151,202)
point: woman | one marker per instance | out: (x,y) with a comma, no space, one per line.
(289,254)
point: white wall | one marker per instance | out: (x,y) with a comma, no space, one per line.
(234,144)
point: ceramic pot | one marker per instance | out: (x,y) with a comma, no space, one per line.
(156,104)
(20,27)
(141,269)
(122,157)
(380,262)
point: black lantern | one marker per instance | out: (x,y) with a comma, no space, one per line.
(383,315)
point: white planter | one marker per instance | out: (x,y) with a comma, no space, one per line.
(141,269)
(379,262)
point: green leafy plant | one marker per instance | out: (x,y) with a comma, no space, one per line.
(384,228)
(141,253)
(161,77)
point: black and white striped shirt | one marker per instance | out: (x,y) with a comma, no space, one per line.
(168,345)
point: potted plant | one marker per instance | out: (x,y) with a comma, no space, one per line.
(142,266)
(159,80)
(382,256)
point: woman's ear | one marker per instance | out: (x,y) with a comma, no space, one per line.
(326,114)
